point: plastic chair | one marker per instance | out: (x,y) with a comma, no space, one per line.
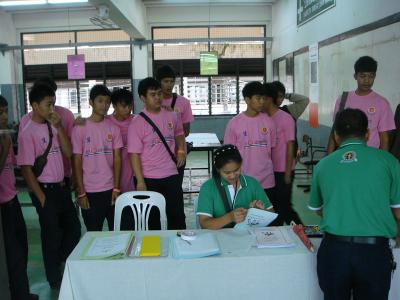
(141,204)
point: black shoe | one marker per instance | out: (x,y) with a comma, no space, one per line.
(55,285)
(33,297)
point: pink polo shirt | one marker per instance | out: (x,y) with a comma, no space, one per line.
(126,169)
(182,107)
(67,119)
(378,111)
(95,141)
(143,140)
(32,142)
(255,137)
(285,132)
(7,178)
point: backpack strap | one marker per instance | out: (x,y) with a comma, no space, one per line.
(148,120)
(343,101)
(174,96)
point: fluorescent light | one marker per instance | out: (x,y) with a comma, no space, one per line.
(65,1)
(23,2)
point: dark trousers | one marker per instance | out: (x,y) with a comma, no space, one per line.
(16,247)
(361,270)
(282,201)
(100,209)
(171,189)
(181,173)
(60,228)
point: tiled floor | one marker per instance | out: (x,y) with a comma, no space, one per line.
(197,177)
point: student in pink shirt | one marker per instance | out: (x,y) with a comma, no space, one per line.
(282,157)
(155,166)
(13,223)
(59,223)
(254,134)
(97,161)
(122,102)
(67,119)
(174,102)
(376,107)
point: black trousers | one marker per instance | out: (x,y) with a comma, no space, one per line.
(181,173)
(100,209)
(171,189)
(60,228)
(16,247)
(282,201)
(360,270)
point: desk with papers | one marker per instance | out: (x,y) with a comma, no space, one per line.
(241,271)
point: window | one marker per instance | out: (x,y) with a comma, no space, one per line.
(102,61)
(239,61)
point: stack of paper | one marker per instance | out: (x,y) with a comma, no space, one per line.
(273,237)
(205,244)
(110,246)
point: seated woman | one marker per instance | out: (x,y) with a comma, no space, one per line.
(225,198)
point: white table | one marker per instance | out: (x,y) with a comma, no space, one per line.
(204,142)
(240,272)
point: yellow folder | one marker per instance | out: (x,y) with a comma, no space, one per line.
(151,246)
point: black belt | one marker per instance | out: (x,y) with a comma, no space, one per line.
(370,240)
(52,185)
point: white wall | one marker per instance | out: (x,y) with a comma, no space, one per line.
(345,16)
(336,60)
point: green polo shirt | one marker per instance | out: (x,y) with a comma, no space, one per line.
(356,186)
(211,204)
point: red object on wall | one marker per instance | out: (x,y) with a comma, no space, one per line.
(313,115)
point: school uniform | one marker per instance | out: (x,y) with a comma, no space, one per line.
(285,132)
(356,186)
(210,203)
(14,231)
(59,223)
(255,137)
(159,170)
(96,141)
(184,110)
(377,109)
(126,182)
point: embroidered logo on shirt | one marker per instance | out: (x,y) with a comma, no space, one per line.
(245,133)
(109,137)
(88,139)
(44,141)
(349,157)
(371,110)
(264,130)
(170,125)
(177,109)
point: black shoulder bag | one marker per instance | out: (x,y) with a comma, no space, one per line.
(224,198)
(41,160)
(148,120)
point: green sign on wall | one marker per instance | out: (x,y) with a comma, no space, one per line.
(309,9)
(209,63)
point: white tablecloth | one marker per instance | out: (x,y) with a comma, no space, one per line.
(240,272)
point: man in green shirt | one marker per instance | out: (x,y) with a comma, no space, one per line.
(356,190)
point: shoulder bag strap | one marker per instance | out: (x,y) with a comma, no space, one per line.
(46,152)
(148,120)
(222,194)
(343,101)
(174,96)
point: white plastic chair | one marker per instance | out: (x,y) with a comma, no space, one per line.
(141,204)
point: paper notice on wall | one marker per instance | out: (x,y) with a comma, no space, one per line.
(76,66)
(313,84)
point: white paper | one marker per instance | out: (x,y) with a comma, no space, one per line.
(107,246)
(256,218)
(273,237)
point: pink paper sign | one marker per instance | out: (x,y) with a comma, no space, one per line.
(76,66)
